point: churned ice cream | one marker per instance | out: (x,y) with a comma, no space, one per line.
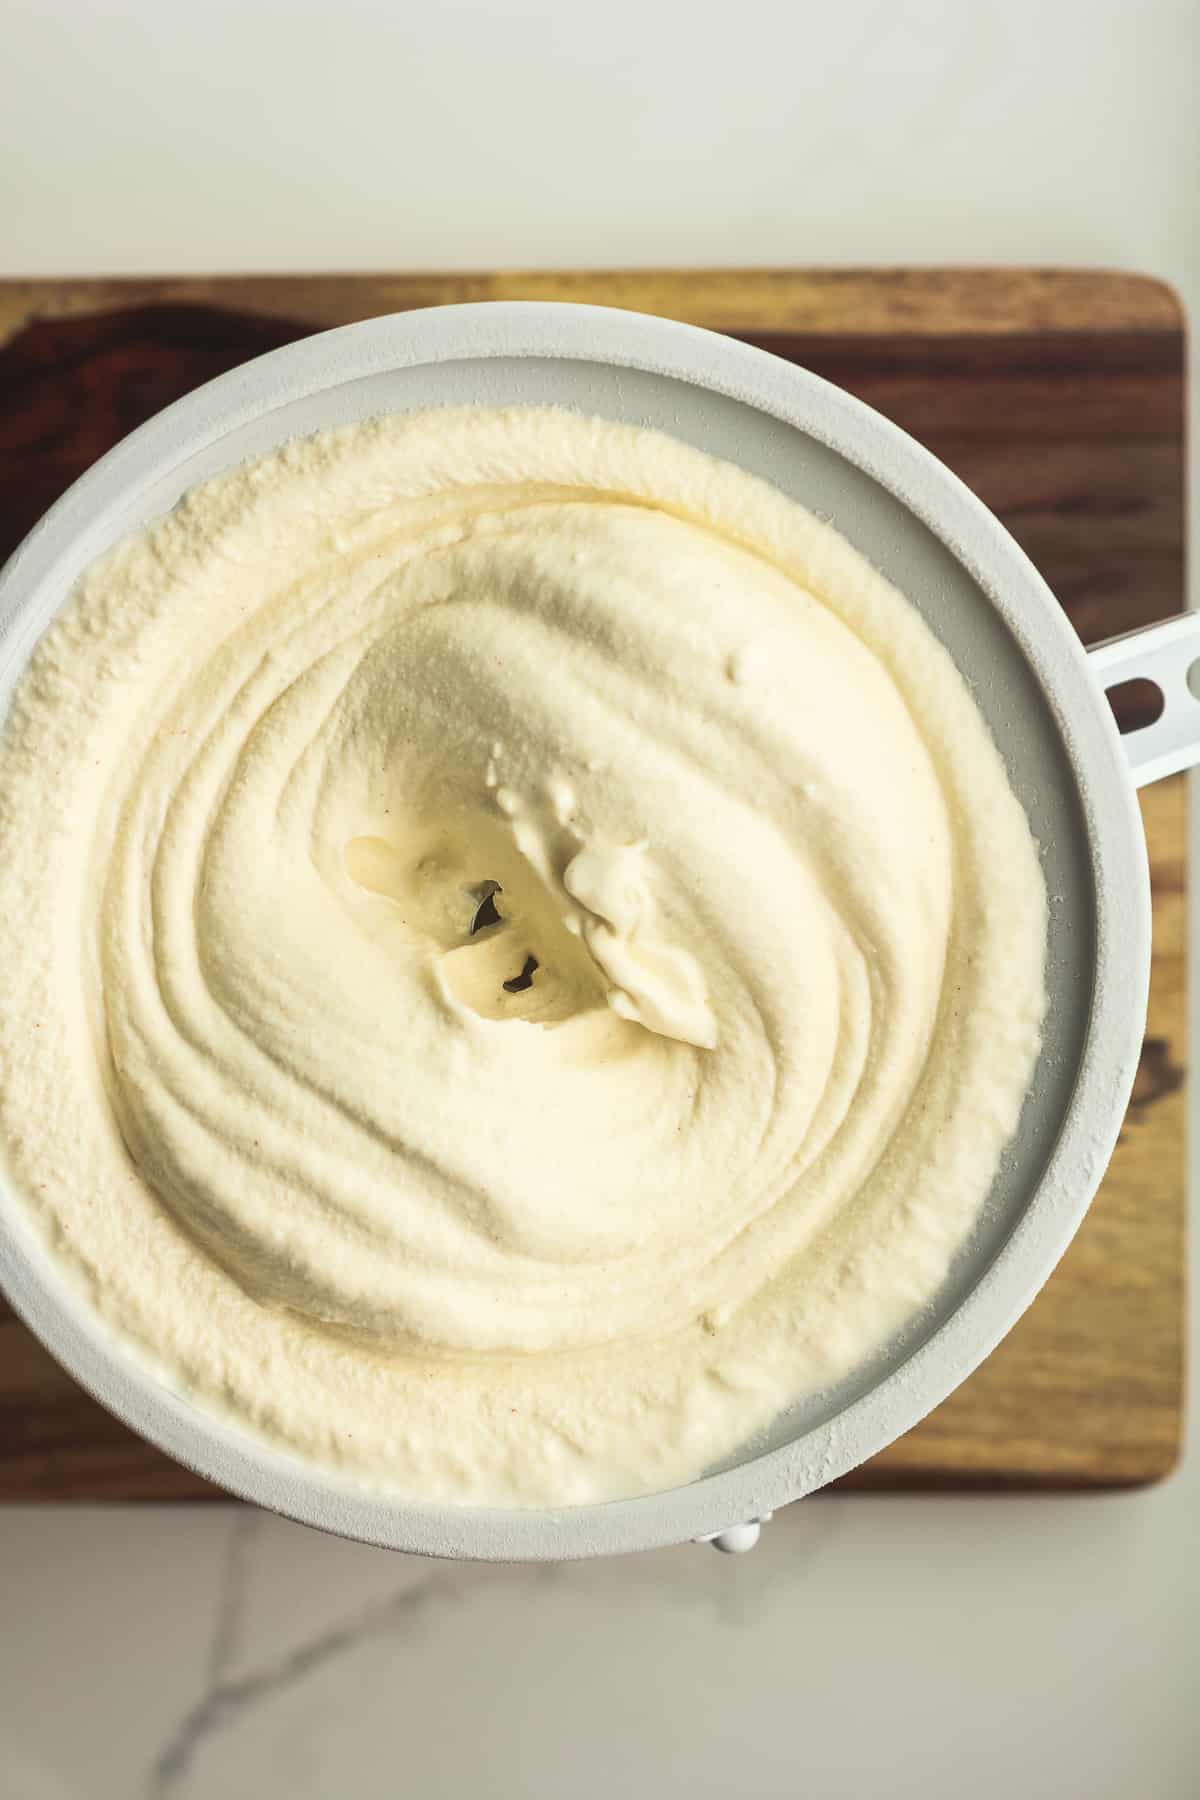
(521,955)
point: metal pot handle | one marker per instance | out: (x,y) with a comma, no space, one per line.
(1165,655)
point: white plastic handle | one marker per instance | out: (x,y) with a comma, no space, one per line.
(1164,654)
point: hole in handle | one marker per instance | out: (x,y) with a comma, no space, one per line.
(1139,702)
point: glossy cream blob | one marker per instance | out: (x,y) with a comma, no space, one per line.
(521,957)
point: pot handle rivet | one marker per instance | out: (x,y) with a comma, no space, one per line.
(736,1539)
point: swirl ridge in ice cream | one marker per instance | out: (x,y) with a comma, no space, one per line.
(522,957)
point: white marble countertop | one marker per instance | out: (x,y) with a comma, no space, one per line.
(869,1646)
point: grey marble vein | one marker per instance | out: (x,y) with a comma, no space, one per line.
(226,1700)
(242,1533)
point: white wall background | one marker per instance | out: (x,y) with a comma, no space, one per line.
(870,1647)
(151,135)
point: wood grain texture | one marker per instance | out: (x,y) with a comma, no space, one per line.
(895,302)
(1058,396)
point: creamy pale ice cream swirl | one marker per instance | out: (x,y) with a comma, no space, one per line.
(522,957)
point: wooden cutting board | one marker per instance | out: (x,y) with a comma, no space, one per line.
(1058,396)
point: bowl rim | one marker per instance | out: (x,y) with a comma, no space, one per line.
(252,1468)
